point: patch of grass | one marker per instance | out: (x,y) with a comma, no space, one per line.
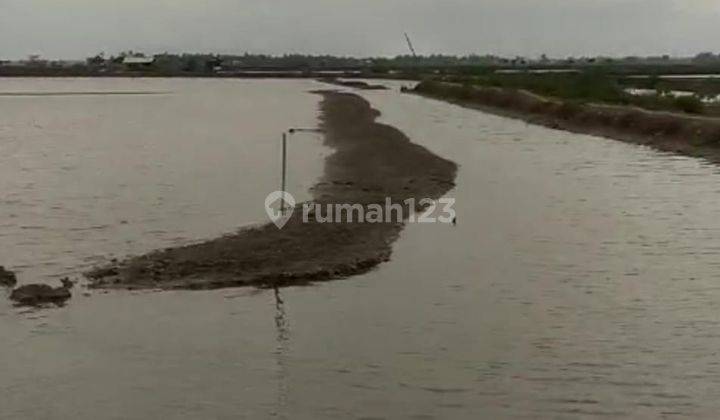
(586,87)
(689,104)
(578,87)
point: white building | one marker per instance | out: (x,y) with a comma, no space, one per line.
(138,61)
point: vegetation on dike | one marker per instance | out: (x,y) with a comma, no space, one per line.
(585,87)
(675,132)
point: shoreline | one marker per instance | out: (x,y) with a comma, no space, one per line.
(369,163)
(688,135)
(355,84)
(251,74)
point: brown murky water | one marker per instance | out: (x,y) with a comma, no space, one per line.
(85,176)
(580,280)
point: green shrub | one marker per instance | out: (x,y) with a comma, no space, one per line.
(689,104)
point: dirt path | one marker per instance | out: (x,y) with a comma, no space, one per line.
(371,161)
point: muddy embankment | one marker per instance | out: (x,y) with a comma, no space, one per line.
(370,161)
(688,135)
(356,84)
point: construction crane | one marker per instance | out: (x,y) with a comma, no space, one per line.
(412,49)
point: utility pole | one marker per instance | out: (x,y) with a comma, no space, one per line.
(284,173)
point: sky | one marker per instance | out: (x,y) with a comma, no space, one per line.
(75,29)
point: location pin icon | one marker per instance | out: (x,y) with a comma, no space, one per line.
(278,217)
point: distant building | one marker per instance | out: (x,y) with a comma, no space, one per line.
(136,63)
(232,64)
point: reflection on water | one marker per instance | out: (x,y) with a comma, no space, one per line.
(283,339)
(672,94)
(676,76)
(579,282)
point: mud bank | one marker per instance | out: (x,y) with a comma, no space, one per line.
(370,161)
(355,84)
(688,135)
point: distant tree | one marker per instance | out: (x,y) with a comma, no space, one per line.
(690,104)
(191,65)
(168,63)
(705,57)
(212,62)
(97,60)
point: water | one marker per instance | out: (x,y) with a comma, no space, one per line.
(677,76)
(672,94)
(85,177)
(580,281)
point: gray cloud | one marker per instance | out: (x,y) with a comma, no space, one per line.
(76,28)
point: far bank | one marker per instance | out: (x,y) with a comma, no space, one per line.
(689,135)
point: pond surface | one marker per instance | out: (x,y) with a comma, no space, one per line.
(581,279)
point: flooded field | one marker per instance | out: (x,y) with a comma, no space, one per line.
(92,168)
(580,280)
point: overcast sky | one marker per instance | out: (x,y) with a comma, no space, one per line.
(77,28)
